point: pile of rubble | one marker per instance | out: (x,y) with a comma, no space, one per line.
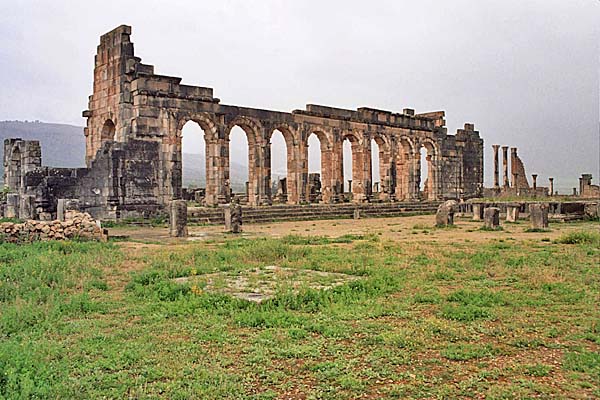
(77,225)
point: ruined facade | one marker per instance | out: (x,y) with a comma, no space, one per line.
(134,154)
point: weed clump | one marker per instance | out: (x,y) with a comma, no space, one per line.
(580,238)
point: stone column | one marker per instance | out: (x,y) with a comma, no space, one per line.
(551,186)
(505,182)
(534,177)
(496,166)
(178,218)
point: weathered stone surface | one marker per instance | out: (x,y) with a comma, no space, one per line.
(134,154)
(478,211)
(445,213)
(512,212)
(491,217)
(178,218)
(538,214)
(79,225)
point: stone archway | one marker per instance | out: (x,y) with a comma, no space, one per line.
(293,169)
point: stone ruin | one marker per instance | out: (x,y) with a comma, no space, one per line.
(134,152)
(74,225)
(515,183)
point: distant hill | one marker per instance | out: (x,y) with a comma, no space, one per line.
(64,146)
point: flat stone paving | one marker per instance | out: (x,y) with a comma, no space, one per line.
(260,284)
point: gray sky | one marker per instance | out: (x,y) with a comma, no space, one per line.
(524,71)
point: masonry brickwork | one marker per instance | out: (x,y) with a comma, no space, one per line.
(134,146)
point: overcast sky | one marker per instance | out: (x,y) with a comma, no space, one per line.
(524,71)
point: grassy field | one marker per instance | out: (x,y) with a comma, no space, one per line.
(508,316)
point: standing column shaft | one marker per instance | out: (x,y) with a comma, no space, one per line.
(551,186)
(534,176)
(505,166)
(496,166)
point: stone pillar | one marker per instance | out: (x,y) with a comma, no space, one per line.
(12,205)
(505,182)
(551,186)
(512,212)
(478,211)
(178,218)
(496,166)
(534,177)
(538,214)
(376,187)
(27,207)
(574,191)
(350,186)
(491,217)
(233,218)
(356,213)
(60,209)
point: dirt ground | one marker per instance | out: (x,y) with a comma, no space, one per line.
(408,229)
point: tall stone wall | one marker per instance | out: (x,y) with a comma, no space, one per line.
(153,107)
(134,146)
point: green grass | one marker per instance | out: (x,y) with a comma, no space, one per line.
(426,319)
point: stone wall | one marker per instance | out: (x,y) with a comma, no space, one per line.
(76,226)
(121,181)
(134,155)
(156,107)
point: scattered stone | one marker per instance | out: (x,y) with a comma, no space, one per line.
(83,226)
(491,218)
(445,213)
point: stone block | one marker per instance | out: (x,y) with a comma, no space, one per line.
(538,215)
(12,205)
(478,211)
(491,217)
(512,212)
(27,208)
(178,218)
(356,213)
(445,213)
(233,218)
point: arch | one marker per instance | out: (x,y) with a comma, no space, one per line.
(109,131)
(194,160)
(426,170)
(250,126)
(204,120)
(289,192)
(358,163)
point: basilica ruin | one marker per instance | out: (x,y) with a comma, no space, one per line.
(134,148)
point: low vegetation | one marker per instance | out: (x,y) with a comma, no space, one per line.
(422,319)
